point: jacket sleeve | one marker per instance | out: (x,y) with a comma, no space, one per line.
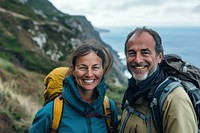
(43,119)
(114,118)
(178,113)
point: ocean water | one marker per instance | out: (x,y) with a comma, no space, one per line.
(184,41)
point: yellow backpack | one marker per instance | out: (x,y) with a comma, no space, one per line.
(53,83)
(53,90)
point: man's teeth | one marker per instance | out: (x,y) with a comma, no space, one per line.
(139,67)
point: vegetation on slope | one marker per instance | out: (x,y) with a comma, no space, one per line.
(20,97)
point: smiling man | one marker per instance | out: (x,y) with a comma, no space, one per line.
(144,53)
(142,59)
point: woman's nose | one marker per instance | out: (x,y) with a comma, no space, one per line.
(89,72)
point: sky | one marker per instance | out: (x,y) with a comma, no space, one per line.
(106,13)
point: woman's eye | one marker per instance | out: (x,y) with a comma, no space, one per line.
(82,68)
(96,68)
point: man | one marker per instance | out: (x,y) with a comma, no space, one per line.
(144,52)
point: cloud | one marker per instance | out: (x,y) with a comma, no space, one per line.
(196,9)
(133,12)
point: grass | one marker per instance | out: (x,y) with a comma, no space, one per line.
(18,103)
(20,108)
(7,66)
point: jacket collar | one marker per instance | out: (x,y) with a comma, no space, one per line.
(72,96)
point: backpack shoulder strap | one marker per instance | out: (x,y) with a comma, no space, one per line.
(160,94)
(57,113)
(58,107)
(107,111)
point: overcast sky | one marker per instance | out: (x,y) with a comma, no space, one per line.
(105,13)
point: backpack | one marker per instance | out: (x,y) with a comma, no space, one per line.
(53,91)
(180,73)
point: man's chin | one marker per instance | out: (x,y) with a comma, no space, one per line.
(140,77)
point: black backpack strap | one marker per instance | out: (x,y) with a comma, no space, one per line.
(158,99)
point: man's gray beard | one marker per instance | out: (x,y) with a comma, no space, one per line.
(144,77)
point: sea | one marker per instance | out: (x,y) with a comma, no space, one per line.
(184,41)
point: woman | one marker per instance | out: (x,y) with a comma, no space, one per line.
(83,94)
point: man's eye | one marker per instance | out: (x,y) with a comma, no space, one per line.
(146,53)
(131,53)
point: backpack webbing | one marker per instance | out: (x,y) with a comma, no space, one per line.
(107,112)
(160,95)
(58,107)
(158,99)
(57,113)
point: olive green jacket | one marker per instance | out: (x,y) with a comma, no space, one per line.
(178,115)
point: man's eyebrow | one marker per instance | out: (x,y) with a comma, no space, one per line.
(145,49)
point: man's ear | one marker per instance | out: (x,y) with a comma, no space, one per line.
(160,57)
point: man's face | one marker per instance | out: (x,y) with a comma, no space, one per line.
(142,59)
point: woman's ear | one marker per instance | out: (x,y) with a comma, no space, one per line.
(72,70)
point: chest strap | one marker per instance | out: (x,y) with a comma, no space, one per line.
(145,117)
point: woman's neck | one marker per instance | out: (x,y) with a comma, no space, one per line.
(88,95)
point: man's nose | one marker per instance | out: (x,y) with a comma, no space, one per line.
(138,58)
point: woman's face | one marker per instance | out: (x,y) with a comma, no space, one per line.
(88,71)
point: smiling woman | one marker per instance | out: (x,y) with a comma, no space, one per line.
(83,94)
(88,68)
